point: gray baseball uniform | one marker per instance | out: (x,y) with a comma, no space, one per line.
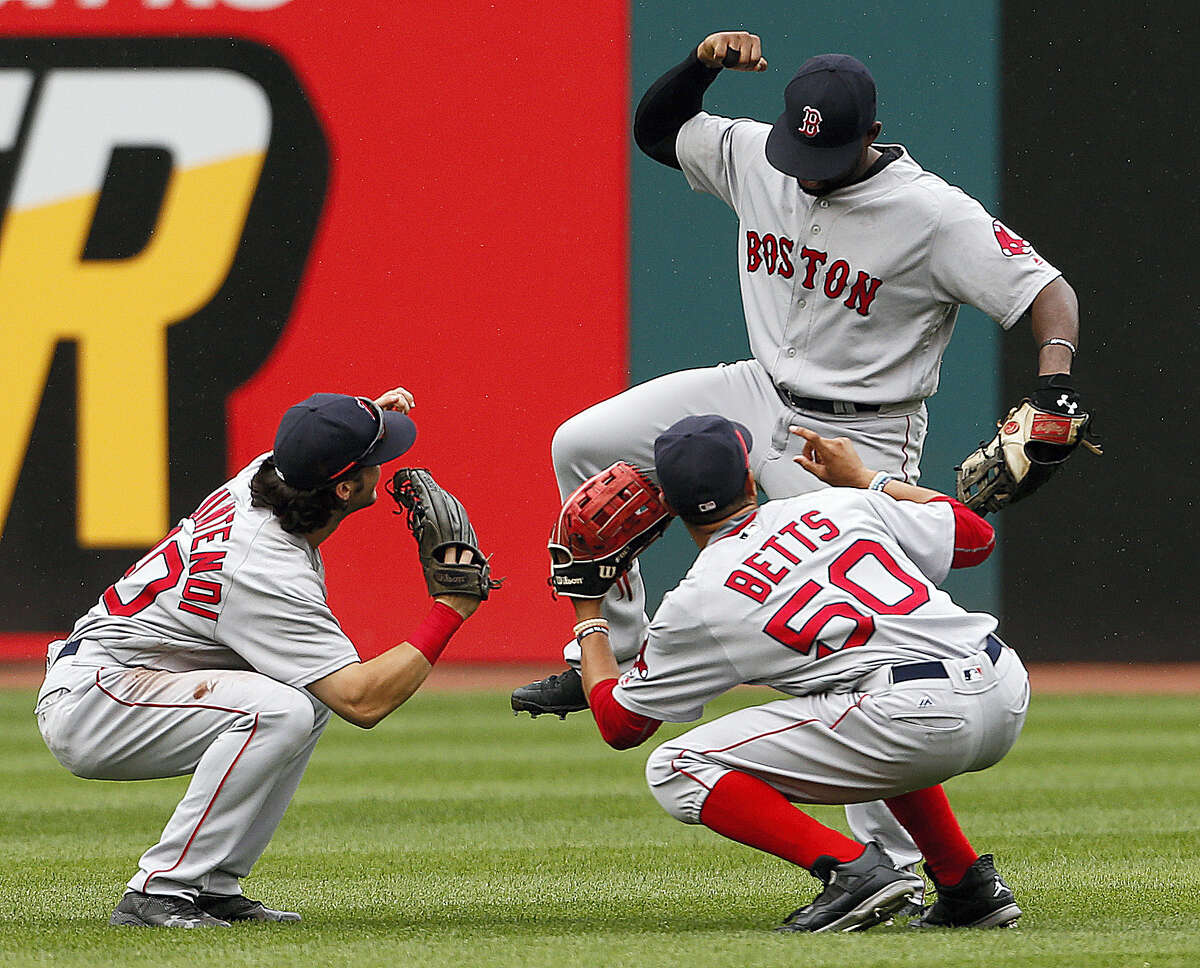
(850,300)
(195,662)
(830,598)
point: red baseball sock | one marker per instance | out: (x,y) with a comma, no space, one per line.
(926,814)
(744,808)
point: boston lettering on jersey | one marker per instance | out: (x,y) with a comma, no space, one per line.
(774,254)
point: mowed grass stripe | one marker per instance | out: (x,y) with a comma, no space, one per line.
(455,834)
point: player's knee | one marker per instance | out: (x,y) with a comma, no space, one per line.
(289,716)
(583,445)
(677,792)
(569,446)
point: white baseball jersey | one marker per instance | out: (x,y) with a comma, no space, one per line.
(227,588)
(854,296)
(806,595)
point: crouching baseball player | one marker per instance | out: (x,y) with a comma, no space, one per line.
(831,598)
(216,654)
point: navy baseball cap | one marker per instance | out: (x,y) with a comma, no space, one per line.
(702,464)
(828,106)
(323,437)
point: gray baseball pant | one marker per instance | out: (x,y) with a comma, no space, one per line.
(624,427)
(245,739)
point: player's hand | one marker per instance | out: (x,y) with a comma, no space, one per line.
(397,399)
(465,605)
(832,459)
(714,47)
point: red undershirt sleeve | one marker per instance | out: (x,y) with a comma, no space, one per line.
(620,728)
(974,538)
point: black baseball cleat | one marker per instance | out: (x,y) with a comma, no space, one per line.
(162,911)
(980,900)
(910,909)
(559,694)
(238,907)
(858,894)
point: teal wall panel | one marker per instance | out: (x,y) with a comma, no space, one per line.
(936,69)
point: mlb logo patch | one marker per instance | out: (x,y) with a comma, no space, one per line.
(972,674)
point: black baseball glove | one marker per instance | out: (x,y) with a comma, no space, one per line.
(439,522)
(1033,441)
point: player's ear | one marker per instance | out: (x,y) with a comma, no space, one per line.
(872,134)
(751,489)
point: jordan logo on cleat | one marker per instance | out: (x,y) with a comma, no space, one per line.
(998,886)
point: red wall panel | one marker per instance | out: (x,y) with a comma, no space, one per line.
(472,247)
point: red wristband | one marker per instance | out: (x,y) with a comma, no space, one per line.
(434,633)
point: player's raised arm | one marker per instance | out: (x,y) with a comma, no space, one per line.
(835,461)
(458,578)
(738,50)
(679,94)
(398,399)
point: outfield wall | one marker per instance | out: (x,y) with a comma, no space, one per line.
(328,205)
(414,200)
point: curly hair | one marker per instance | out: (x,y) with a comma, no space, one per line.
(299,511)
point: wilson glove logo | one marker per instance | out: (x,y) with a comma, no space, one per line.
(161,196)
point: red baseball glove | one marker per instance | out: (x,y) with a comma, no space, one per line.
(603,526)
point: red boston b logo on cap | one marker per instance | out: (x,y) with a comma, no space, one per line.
(810,124)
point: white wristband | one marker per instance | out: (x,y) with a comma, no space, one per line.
(879,481)
(588,626)
(1056,341)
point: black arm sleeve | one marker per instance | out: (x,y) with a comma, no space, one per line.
(670,101)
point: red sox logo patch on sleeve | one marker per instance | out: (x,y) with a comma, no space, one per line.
(1010,243)
(810,124)
(639,669)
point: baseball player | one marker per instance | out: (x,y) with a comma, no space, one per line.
(853,262)
(831,598)
(217,655)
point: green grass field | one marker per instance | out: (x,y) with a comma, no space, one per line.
(456,835)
